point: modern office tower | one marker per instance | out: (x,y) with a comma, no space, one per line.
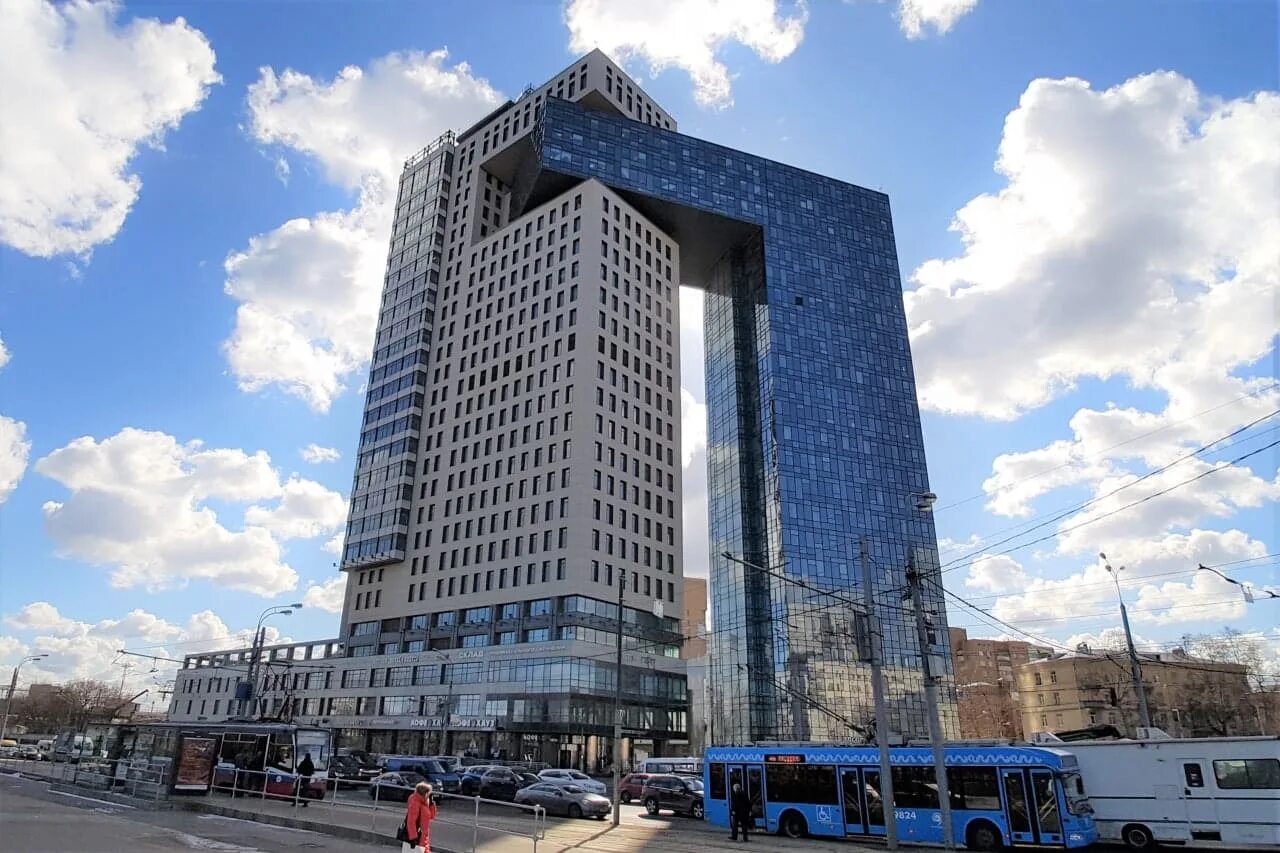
(520,454)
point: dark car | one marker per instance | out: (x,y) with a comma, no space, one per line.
(470,777)
(430,769)
(678,794)
(346,772)
(499,783)
(394,786)
(632,786)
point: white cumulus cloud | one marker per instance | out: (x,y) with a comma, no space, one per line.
(314,454)
(83,92)
(687,34)
(327,596)
(139,503)
(917,17)
(14,450)
(306,509)
(81,649)
(308,290)
(1137,236)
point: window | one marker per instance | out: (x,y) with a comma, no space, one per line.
(1038,679)
(973,788)
(475,640)
(1250,773)
(537,635)
(540,607)
(915,788)
(802,783)
(717,782)
(1194,775)
(476,615)
(507,638)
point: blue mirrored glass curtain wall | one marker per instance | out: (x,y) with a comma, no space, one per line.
(814,432)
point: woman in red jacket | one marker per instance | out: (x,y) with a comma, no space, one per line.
(417,821)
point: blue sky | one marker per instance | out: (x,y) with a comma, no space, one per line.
(190,248)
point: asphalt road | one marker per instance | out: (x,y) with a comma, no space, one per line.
(34,819)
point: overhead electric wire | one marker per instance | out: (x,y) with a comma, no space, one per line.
(1104,450)
(1058,515)
(982,554)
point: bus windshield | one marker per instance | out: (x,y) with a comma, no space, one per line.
(1073,787)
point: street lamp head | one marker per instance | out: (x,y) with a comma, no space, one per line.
(925,501)
(726,555)
(296,606)
(285,612)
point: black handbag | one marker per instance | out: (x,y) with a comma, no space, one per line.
(402,834)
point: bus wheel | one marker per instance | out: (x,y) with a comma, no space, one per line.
(792,825)
(983,836)
(1138,837)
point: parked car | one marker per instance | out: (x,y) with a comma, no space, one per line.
(346,772)
(631,786)
(573,777)
(46,749)
(499,783)
(564,799)
(678,794)
(441,779)
(8,749)
(394,786)
(29,752)
(469,778)
(452,763)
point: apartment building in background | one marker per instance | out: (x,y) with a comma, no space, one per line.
(987,684)
(519,463)
(1186,696)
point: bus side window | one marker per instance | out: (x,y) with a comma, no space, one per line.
(717,782)
(1194,775)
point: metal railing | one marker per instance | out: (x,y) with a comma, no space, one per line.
(344,801)
(138,779)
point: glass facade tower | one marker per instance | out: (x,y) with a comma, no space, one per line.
(814,437)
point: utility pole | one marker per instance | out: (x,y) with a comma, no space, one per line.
(931,699)
(617,708)
(13,686)
(876,645)
(1135,667)
(126,666)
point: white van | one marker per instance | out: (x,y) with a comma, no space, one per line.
(1198,792)
(45,748)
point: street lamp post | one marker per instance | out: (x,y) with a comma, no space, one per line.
(1135,667)
(13,685)
(255,651)
(446,706)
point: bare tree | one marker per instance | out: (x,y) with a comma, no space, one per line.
(1219,701)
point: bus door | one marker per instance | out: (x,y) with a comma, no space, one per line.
(863,808)
(1032,806)
(1017,807)
(749,776)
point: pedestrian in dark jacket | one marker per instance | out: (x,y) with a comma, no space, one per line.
(306,767)
(740,816)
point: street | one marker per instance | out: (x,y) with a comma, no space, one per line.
(37,820)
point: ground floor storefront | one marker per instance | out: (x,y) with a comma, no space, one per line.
(586,752)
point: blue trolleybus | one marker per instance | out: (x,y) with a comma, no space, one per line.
(1001,796)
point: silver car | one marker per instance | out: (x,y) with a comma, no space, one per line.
(570,800)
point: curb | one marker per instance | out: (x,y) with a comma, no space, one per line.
(111,797)
(346,832)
